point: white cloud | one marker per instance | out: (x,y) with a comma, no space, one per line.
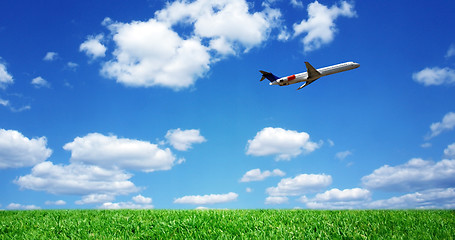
(221,46)
(284,35)
(50,56)
(95,198)
(257,175)
(276,200)
(301,184)
(426,145)
(5,77)
(150,53)
(233,24)
(226,20)
(125,205)
(93,47)
(435,76)
(297,3)
(248,190)
(428,199)
(4,103)
(72,65)
(7,103)
(40,82)
(343,155)
(207,199)
(336,195)
(416,174)
(202,208)
(450,150)
(12,105)
(56,203)
(77,179)
(113,152)
(320,27)
(339,199)
(97,171)
(17,206)
(142,200)
(286,144)
(16,150)
(447,123)
(451,51)
(183,139)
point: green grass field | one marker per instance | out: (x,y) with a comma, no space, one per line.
(227,224)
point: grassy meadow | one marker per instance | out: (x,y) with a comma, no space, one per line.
(227,224)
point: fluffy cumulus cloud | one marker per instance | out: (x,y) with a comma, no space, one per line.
(16,150)
(18,206)
(139,202)
(447,124)
(227,23)
(432,198)
(97,170)
(151,53)
(285,144)
(276,200)
(5,77)
(320,27)
(142,200)
(435,76)
(112,152)
(77,179)
(93,47)
(95,198)
(40,82)
(56,203)
(207,199)
(183,139)
(415,175)
(300,184)
(338,199)
(257,175)
(450,150)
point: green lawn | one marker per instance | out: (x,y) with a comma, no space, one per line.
(227,224)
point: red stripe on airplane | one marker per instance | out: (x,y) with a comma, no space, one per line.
(292,77)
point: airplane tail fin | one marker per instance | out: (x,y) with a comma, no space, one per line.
(269,76)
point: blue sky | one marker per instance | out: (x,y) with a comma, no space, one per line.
(155,104)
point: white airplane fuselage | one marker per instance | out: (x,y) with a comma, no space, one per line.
(303,77)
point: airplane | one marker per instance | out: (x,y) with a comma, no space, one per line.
(310,75)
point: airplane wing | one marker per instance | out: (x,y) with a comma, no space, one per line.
(305,84)
(312,72)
